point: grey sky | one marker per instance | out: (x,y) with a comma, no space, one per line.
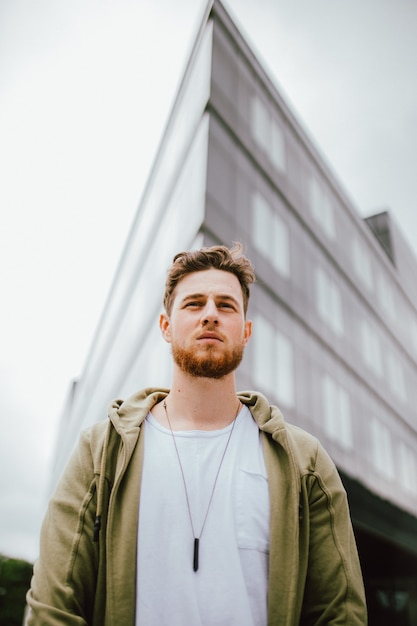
(85,90)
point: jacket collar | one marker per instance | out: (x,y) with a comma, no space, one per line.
(129,414)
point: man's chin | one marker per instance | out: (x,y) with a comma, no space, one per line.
(207,362)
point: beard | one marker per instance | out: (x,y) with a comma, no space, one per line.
(208,363)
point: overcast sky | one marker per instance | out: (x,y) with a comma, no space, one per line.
(85,90)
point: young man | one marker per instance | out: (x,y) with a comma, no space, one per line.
(199,506)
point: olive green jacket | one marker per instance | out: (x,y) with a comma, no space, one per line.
(86,572)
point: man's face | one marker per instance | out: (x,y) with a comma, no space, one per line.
(207,327)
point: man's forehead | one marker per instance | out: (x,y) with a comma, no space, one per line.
(210,281)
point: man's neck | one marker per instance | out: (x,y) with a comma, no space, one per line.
(199,403)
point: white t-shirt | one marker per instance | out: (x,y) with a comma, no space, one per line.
(230,586)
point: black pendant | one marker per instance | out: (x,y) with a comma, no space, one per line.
(195,559)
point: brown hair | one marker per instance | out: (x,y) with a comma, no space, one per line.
(216,257)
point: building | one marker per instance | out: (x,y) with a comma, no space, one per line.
(334,306)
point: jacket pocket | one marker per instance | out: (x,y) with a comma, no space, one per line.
(252,518)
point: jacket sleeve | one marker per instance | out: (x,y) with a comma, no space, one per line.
(334,592)
(63,583)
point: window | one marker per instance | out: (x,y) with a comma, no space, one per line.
(362,263)
(382,449)
(328,301)
(268,133)
(273,361)
(371,348)
(407,468)
(396,377)
(337,419)
(278,146)
(321,207)
(270,234)
(260,122)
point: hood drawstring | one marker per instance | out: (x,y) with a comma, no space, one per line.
(100,490)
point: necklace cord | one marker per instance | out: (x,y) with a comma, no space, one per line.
(195,538)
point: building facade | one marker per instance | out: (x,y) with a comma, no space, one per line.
(334,306)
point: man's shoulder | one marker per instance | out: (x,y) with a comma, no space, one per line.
(95,432)
(308,450)
(300,435)
(92,440)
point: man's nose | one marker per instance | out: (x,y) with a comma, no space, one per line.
(210,313)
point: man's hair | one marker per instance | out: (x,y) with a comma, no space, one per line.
(216,257)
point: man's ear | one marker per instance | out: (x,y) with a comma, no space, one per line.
(248,330)
(165,326)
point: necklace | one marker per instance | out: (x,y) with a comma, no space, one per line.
(196,539)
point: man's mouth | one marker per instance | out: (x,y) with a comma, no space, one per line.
(207,336)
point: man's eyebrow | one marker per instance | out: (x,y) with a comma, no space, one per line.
(193,296)
(226,296)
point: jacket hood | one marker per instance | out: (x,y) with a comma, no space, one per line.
(268,417)
(125,418)
(129,414)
